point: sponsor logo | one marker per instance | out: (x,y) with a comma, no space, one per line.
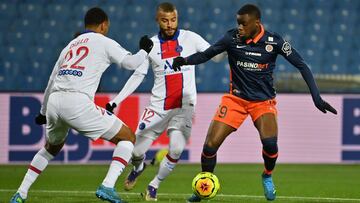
(253,54)
(70,72)
(240,46)
(351,130)
(252,66)
(269,48)
(286,48)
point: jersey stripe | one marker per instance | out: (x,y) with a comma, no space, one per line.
(168,49)
(174,91)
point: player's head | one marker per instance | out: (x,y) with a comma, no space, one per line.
(248,19)
(97,20)
(167,18)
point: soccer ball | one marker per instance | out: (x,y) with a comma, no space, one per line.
(205,185)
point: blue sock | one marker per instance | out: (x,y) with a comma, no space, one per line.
(208,159)
(270,154)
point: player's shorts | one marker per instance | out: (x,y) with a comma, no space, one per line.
(153,123)
(233,110)
(67,110)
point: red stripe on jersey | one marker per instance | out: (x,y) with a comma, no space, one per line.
(119,159)
(33,168)
(174,91)
(168,49)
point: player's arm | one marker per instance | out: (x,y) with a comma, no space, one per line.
(41,117)
(296,60)
(133,82)
(201,45)
(123,58)
(201,57)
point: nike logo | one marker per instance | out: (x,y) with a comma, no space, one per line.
(239,47)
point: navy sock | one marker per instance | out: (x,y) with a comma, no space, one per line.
(269,153)
(208,159)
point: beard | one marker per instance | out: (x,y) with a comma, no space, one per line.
(167,36)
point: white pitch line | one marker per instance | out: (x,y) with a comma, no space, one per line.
(335,199)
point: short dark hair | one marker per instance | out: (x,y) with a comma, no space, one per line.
(250,9)
(95,16)
(166,7)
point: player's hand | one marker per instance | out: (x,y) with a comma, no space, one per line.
(40,119)
(110,107)
(324,106)
(146,43)
(178,62)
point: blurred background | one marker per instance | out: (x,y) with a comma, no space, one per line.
(33,32)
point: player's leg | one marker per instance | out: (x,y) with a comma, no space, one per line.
(124,140)
(266,124)
(150,126)
(56,132)
(167,165)
(229,116)
(142,145)
(227,119)
(95,122)
(216,135)
(268,130)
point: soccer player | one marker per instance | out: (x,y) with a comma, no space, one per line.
(252,53)
(173,97)
(69,102)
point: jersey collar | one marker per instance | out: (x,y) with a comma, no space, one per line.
(86,31)
(176,35)
(257,37)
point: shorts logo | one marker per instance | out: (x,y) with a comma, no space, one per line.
(286,48)
(269,48)
(142,126)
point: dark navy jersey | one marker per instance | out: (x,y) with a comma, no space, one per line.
(252,63)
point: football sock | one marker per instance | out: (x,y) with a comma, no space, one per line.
(166,166)
(208,159)
(138,163)
(270,154)
(121,157)
(37,165)
(142,144)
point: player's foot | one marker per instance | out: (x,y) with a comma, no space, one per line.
(108,194)
(269,187)
(16,198)
(150,194)
(194,198)
(131,178)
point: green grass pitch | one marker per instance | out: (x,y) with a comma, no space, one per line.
(239,183)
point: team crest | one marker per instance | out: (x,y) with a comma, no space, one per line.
(179,49)
(286,48)
(269,48)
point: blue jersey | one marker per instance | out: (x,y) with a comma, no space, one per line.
(252,63)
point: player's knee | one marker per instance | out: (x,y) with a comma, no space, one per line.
(125,134)
(176,151)
(212,144)
(270,145)
(209,151)
(53,149)
(138,153)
